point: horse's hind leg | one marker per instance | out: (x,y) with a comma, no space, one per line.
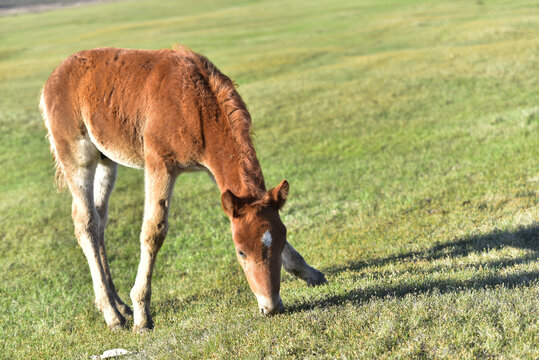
(105,176)
(294,263)
(79,165)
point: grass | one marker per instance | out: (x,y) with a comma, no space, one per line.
(408,131)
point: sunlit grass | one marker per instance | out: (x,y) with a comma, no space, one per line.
(408,131)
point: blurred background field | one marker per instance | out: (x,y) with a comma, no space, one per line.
(408,130)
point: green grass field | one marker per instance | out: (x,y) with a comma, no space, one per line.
(408,130)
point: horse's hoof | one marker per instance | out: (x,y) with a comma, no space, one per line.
(116,327)
(317,278)
(142,329)
(115,320)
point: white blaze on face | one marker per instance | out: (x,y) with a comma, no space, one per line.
(266,239)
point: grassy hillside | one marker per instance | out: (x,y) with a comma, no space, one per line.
(408,130)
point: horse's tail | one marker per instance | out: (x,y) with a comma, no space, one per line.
(59,176)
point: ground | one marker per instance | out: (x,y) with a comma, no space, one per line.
(408,131)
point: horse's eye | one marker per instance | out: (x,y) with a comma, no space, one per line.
(243,256)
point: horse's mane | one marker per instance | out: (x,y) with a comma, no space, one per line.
(235,110)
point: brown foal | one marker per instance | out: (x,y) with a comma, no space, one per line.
(167,112)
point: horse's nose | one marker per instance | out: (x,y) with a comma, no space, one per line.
(270,306)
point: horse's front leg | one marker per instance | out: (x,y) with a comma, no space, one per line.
(159,184)
(294,263)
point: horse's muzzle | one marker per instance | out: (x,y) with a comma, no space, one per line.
(270,306)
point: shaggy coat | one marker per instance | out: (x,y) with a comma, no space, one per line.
(167,112)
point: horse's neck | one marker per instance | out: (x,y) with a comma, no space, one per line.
(233,170)
(230,175)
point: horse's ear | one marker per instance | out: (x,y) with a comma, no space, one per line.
(279,194)
(231,203)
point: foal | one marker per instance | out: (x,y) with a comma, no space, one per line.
(167,112)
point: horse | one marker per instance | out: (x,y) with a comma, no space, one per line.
(166,112)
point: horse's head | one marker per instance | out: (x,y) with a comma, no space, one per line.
(259,236)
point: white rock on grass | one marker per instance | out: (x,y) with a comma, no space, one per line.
(111,353)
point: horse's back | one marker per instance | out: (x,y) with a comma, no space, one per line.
(119,81)
(128,101)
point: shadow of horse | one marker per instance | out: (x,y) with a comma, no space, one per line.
(526,238)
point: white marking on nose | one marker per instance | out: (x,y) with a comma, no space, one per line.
(266,239)
(269,305)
